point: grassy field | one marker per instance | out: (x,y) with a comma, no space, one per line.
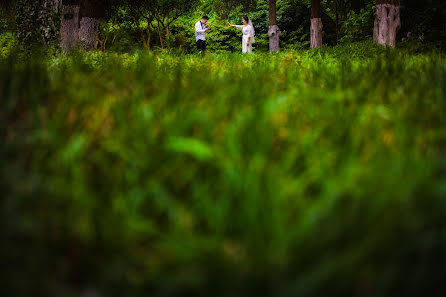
(311,173)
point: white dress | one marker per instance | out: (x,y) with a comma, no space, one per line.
(248,31)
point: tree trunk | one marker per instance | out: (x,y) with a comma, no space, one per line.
(337,22)
(273,30)
(167,36)
(51,3)
(160,35)
(91,12)
(316,24)
(69,25)
(49,17)
(149,36)
(356,6)
(88,32)
(387,22)
(138,28)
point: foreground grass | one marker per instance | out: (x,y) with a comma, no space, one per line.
(314,173)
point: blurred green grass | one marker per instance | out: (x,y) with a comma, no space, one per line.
(303,173)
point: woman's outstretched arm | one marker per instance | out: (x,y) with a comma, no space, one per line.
(237,26)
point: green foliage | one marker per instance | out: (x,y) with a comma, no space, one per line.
(303,173)
(358,27)
(7,44)
(6,20)
(293,18)
(120,33)
(158,16)
(224,8)
(295,40)
(341,25)
(222,37)
(28,23)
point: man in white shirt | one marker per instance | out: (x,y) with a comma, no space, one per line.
(200,37)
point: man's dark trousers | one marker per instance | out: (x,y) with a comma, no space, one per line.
(201,45)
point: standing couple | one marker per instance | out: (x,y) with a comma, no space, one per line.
(247,38)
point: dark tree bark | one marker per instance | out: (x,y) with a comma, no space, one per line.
(160,35)
(70,24)
(91,13)
(80,23)
(7,4)
(51,12)
(316,24)
(272,13)
(273,30)
(387,22)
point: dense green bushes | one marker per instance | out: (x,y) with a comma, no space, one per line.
(306,173)
(294,20)
(7,43)
(119,33)
(357,27)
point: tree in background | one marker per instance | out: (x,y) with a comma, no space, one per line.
(387,22)
(69,29)
(334,14)
(167,12)
(32,22)
(159,16)
(224,7)
(37,22)
(80,23)
(273,29)
(90,15)
(141,11)
(6,14)
(357,26)
(316,24)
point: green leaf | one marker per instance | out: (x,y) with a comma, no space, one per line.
(190,146)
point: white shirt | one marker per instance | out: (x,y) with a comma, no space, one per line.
(199,31)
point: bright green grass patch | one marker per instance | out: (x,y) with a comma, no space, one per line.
(7,42)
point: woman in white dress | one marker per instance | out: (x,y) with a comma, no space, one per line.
(248,34)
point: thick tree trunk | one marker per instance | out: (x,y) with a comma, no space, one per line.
(274,35)
(387,22)
(69,25)
(91,13)
(51,3)
(356,6)
(50,13)
(88,32)
(80,23)
(316,24)
(273,30)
